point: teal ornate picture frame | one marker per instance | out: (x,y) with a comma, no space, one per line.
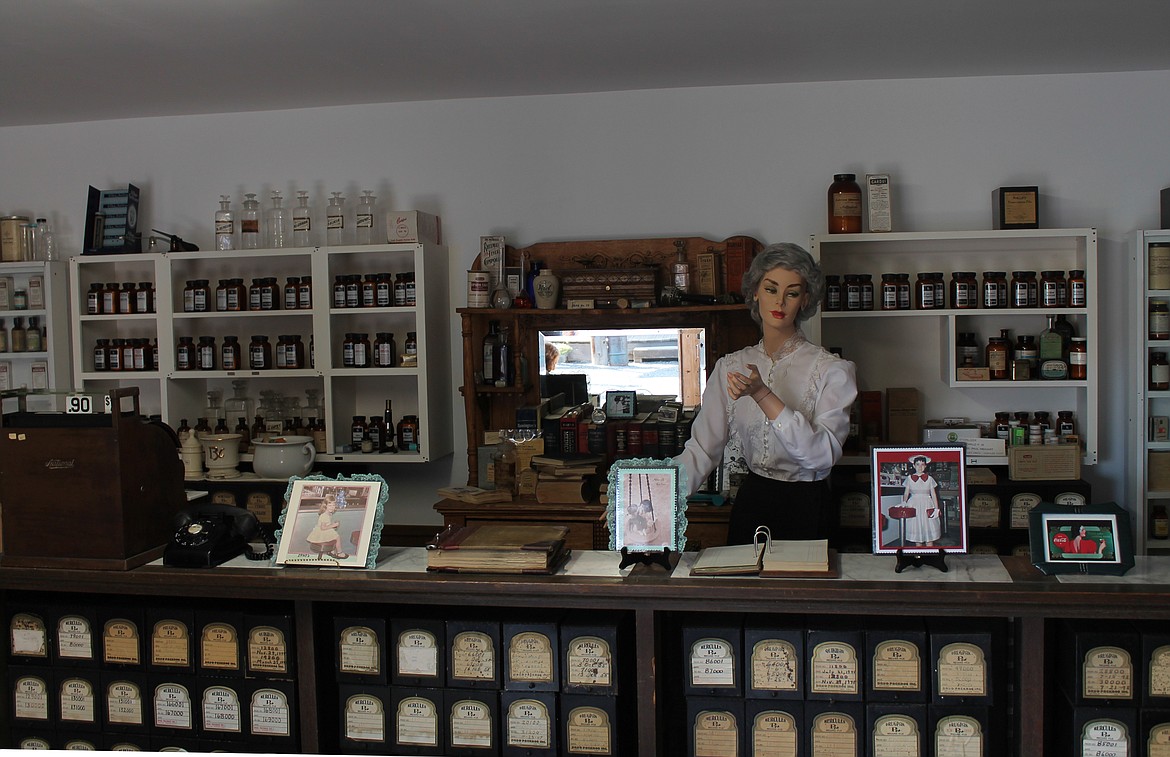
(647,509)
(332,522)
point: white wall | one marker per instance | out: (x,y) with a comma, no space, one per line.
(710,162)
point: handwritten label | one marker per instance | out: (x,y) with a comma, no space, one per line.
(1158,741)
(267,650)
(589,731)
(716,734)
(418,653)
(1159,680)
(1022,504)
(1105,738)
(983,510)
(895,736)
(961,670)
(365,718)
(74,638)
(854,510)
(124,704)
(30,697)
(834,734)
(172,707)
(957,736)
(170,644)
(221,710)
(358,651)
(530,658)
(774,665)
(1108,674)
(78,701)
(471,724)
(774,733)
(27,636)
(271,714)
(417,722)
(529,724)
(712,663)
(589,661)
(834,668)
(473,657)
(120,642)
(219,647)
(897,666)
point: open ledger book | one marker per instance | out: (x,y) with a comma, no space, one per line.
(769,557)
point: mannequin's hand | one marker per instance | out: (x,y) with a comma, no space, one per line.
(750,385)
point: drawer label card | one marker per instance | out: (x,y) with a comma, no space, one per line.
(774,666)
(834,734)
(1022,504)
(529,724)
(120,642)
(1108,674)
(124,703)
(271,713)
(418,653)
(834,668)
(854,510)
(1105,738)
(895,735)
(172,706)
(984,510)
(1159,683)
(473,658)
(28,637)
(74,638)
(30,698)
(221,710)
(170,644)
(530,658)
(267,650)
(712,663)
(364,719)
(471,724)
(774,733)
(589,731)
(219,647)
(716,734)
(78,701)
(590,662)
(1158,741)
(417,722)
(359,651)
(958,736)
(897,666)
(962,670)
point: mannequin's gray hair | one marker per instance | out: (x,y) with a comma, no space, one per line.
(790,257)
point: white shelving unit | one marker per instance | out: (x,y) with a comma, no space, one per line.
(902,348)
(1145,403)
(54,316)
(344,392)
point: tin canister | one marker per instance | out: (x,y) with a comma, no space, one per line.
(12,238)
(479,284)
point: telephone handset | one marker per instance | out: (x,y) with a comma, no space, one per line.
(207,535)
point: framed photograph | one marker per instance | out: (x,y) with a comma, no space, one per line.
(647,509)
(620,405)
(1092,539)
(919,500)
(334,522)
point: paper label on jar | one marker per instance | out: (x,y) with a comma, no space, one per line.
(359,650)
(712,663)
(28,636)
(120,642)
(834,668)
(588,731)
(124,703)
(895,736)
(267,650)
(589,662)
(1022,504)
(897,666)
(170,644)
(473,658)
(471,724)
(78,701)
(172,706)
(983,510)
(417,722)
(774,665)
(219,647)
(530,658)
(418,653)
(529,724)
(74,638)
(958,736)
(834,734)
(1105,738)
(962,670)
(365,718)
(271,714)
(854,510)
(774,733)
(1107,674)
(221,710)
(716,734)
(30,698)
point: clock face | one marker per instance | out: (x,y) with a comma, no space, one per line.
(132,217)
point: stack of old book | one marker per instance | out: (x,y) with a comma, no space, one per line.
(498,548)
(474,495)
(566,479)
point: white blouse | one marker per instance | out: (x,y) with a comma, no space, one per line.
(802,443)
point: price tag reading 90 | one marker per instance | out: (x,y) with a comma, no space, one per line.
(83,404)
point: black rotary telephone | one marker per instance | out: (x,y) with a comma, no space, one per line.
(210,534)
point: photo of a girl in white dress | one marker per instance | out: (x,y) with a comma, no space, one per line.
(921,493)
(919,499)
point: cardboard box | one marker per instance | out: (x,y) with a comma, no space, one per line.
(1158,471)
(902,415)
(985,447)
(949,434)
(709,278)
(877,204)
(413,227)
(1049,462)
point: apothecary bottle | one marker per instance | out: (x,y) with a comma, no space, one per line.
(410,347)
(186,358)
(93,299)
(968,354)
(924,292)
(844,205)
(292,285)
(385,350)
(964,290)
(1053,293)
(1158,265)
(889,298)
(1159,372)
(852,292)
(866,282)
(1159,319)
(833,298)
(335,220)
(357,432)
(1018,297)
(997,357)
(110,298)
(1159,523)
(339,291)
(363,224)
(368,293)
(302,221)
(100,350)
(295,357)
(250,223)
(127,300)
(205,354)
(225,225)
(1077,290)
(305,293)
(231,354)
(144,297)
(383,291)
(995,288)
(1078,358)
(361,350)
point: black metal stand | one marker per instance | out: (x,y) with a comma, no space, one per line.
(645,558)
(917,561)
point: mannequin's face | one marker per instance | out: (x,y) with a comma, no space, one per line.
(780,297)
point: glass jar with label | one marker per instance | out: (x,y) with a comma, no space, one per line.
(259,353)
(964,290)
(410,348)
(865,280)
(110,298)
(292,285)
(255,292)
(269,293)
(967,352)
(186,358)
(357,432)
(205,354)
(1159,523)
(100,350)
(833,298)
(231,354)
(1159,372)
(412,295)
(361,350)
(997,358)
(305,293)
(144,297)
(1051,286)
(995,286)
(383,291)
(369,290)
(1158,265)
(889,297)
(852,292)
(385,350)
(93,299)
(296,352)
(400,290)
(1159,319)
(844,204)
(924,292)
(1026,349)
(281,356)
(1018,291)
(1002,425)
(1078,358)
(347,350)
(339,291)
(408,435)
(127,358)
(1066,424)
(221,291)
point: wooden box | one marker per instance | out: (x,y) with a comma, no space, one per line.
(1050,462)
(609,284)
(87,491)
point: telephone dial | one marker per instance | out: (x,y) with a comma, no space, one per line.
(210,534)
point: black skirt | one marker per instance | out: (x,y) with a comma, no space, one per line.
(790,509)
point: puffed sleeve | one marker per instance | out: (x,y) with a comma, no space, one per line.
(704,450)
(816,444)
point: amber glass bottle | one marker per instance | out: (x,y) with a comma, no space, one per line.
(844,205)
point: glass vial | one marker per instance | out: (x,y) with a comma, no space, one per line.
(364,220)
(225,225)
(277,222)
(335,220)
(844,205)
(302,221)
(1078,358)
(250,223)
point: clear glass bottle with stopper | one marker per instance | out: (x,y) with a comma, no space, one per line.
(239,405)
(335,220)
(277,222)
(250,223)
(364,221)
(302,221)
(225,225)
(48,246)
